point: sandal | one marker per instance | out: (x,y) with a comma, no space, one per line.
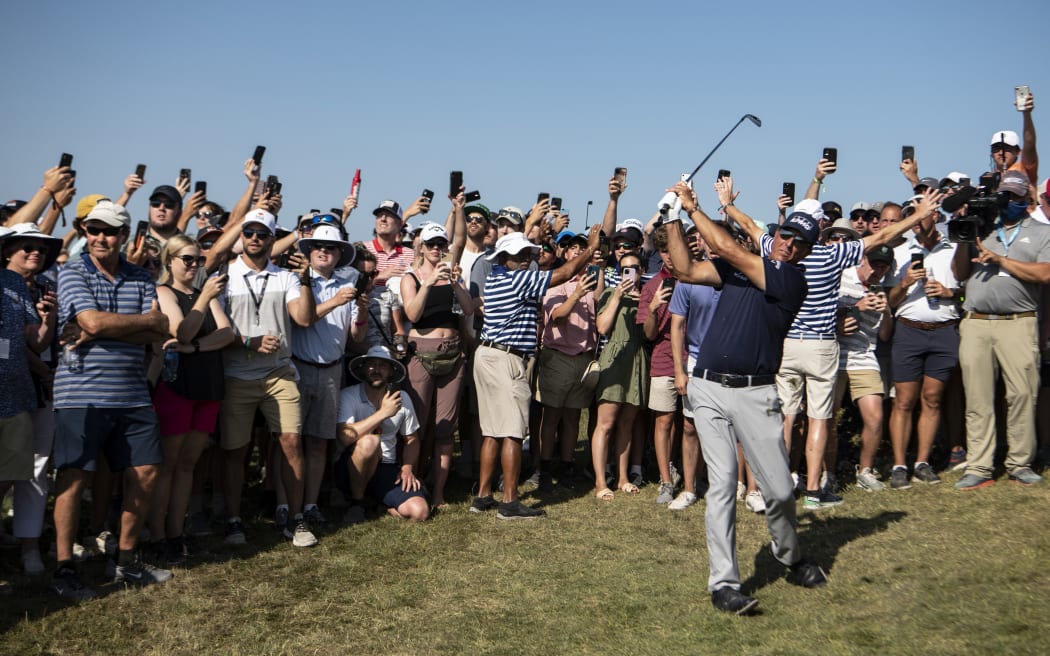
(605,494)
(629,488)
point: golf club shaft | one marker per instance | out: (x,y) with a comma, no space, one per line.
(717,146)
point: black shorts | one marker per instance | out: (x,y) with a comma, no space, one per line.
(918,353)
(382,487)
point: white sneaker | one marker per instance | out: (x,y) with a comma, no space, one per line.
(866,480)
(741,490)
(106,543)
(682,501)
(302,536)
(755,503)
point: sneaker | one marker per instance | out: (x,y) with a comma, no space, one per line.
(545,481)
(733,601)
(899,478)
(741,490)
(1025,476)
(682,501)
(481,504)
(820,499)
(106,543)
(924,474)
(197,525)
(280,518)
(66,584)
(637,479)
(829,482)
(676,477)
(866,480)
(235,532)
(354,515)
(957,459)
(755,503)
(315,518)
(32,563)
(534,479)
(666,494)
(515,510)
(567,476)
(140,573)
(973,481)
(807,574)
(301,536)
(178,553)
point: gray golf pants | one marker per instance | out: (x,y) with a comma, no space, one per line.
(752,416)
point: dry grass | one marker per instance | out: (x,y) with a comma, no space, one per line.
(928,570)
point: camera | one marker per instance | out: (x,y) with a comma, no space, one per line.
(982,209)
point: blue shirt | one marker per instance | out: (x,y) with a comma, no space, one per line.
(746,335)
(16,312)
(114,374)
(823,270)
(697,304)
(511,306)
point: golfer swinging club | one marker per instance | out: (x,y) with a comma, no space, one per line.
(732,388)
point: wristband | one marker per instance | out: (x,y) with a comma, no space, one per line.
(361,323)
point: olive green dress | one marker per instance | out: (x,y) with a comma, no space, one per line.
(624,362)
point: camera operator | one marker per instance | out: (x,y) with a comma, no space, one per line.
(999,332)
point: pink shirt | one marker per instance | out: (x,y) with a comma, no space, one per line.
(399,257)
(576,333)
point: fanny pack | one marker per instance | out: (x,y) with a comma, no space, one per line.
(440,363)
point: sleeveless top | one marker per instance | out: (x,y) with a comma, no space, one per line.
(200,375)
(437,311)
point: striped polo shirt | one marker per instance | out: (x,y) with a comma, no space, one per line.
(399,257)
(512,306)
(113,375)
(823,268)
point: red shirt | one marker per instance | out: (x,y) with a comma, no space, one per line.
(662,362)
(399,257)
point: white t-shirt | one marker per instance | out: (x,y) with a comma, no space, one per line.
(355,406)
(857,351)
(916,306)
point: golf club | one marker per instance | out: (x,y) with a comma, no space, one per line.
(750,117)
(669,199)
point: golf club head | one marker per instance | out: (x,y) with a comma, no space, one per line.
(754,119)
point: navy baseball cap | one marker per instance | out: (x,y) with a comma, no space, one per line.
(803,225)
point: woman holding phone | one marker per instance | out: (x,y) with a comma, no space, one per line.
(623,383)
(435,300)
(187,406)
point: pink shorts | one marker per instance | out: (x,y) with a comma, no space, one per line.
(178,415)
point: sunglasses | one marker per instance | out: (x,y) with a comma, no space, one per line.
(436,243)
(254,232)
(205,245)
(95,231)
(30,247)
(328,248)
(788,233)
(838,236)
(510,216)
(191,260)
(321,219)
(624,246)
(477,218)
(166,203)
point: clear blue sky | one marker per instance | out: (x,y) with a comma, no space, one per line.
(522,97)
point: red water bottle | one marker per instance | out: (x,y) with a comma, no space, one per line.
(355,186)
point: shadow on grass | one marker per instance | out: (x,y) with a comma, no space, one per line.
(821,539)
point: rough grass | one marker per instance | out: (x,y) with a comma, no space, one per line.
(929,570)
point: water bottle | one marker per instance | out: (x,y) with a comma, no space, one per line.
(171,366)
(72,359)
(932,301)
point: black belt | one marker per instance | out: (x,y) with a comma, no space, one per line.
(735,380)
(506,349)
(319,365)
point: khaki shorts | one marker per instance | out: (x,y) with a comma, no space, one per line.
(862,382)
(319,392)
(277,397)
(502,384)
(663,397)
(807,373)
(16,447)
(559,380)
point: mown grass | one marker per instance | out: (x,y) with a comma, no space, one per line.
(928,570)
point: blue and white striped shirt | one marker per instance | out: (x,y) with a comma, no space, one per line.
(114,375)
(823,268)
(512,306)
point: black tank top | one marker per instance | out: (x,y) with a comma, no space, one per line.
(437,311)
(201,376)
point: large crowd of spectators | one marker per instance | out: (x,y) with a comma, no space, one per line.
(152,368)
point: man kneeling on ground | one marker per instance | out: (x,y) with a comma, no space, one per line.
(371,416)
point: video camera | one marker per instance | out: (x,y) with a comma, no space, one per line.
(982,209)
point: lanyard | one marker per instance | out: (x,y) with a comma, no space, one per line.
(1002,237)
(262,293)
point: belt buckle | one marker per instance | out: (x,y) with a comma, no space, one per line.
(727,380)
